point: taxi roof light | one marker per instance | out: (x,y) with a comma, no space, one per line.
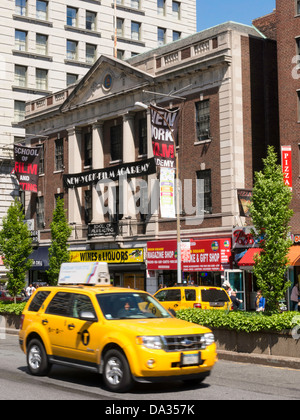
(89,273)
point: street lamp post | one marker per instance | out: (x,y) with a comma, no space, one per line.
(179,277)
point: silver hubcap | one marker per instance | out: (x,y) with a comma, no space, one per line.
(113,371)
(34,357)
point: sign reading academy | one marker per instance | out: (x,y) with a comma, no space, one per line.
(113,173)
(164,124)
(26,168)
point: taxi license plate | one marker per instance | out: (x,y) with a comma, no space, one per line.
(190,359)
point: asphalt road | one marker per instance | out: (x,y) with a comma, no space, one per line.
(228,381)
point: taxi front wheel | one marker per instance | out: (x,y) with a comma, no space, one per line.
(37,360)
(116,373)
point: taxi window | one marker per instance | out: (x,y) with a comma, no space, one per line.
(60,304)
(190,295)
(130,306)
(214,295)
(168,295)
(38,301)
(81,303)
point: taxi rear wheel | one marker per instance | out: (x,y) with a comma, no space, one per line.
(116,373)
(37,360)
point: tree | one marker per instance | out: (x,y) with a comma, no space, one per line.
(15,247)
(58,251)
(271,216)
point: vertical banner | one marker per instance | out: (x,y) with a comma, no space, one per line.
(245,199)
(167,196)
(286,161)
(164,124)
(185,251)
(26,169)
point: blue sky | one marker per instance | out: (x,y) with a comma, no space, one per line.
(214,12)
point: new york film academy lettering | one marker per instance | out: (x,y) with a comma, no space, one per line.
(164,130)
(26,168)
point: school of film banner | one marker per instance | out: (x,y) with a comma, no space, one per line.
(27,160)
(164,124)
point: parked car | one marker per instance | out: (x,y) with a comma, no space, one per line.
(6,297)
(201,297)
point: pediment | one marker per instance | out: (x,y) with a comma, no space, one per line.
(108,77)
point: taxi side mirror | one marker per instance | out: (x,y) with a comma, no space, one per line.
(87,316)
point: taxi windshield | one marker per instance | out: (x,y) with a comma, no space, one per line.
(130,305)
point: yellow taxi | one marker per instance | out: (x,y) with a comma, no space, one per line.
(123,334)
(201,297)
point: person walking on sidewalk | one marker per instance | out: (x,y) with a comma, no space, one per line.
(295,297)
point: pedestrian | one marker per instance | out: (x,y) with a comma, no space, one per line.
(236,303)
(30,290)
(260,302)
(295,295)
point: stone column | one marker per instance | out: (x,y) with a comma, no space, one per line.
(75,166)
(129,186)
(98,163)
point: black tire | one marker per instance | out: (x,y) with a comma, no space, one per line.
(116,372)
(37,359)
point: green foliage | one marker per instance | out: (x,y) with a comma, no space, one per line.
(12,308)
(58,251)
(15,247)
(271,215)
(239,320)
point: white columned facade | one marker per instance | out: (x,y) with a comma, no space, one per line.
(75,166)
(98,163)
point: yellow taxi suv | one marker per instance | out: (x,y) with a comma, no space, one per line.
(201,297)
(123,334)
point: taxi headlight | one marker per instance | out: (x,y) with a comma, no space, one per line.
(151,342)
(209,339)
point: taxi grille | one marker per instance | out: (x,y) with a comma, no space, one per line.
(184,342)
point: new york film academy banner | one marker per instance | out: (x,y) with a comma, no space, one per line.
(113,173)
(164,125)
(26,168)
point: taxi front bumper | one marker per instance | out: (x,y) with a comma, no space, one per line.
(158,365)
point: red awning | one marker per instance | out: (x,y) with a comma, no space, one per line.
(247,260)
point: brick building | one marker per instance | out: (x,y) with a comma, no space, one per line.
(283,25)
(224,81)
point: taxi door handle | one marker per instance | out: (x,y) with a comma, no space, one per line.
(45,321)
(175,306)
(71,326)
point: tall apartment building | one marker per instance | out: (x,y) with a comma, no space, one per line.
(47,45)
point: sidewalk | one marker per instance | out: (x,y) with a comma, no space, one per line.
(260,359)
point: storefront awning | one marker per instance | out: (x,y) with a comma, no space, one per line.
(40,258)
(248,259)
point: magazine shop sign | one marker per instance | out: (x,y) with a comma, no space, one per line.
(206,255)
